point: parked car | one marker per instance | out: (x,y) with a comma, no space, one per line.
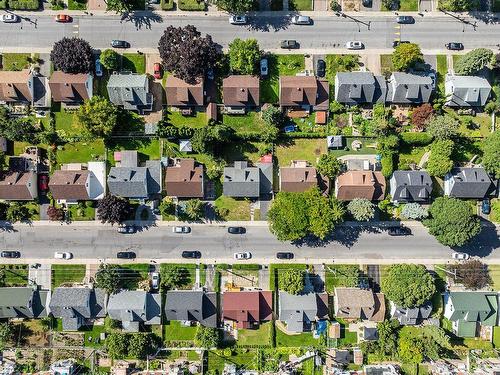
(43,182)
(301,20)
(285,255)
(486,206)
(115,43)
(157,70)
(238,20)
(405,19)
(399,231)
(290,128)
(63,18)
(125,255)
(398,42)
(236,230)
(10,18)
(264,68)
(98,67)
(10,254)
(155,280)
(367,3)
(243,255)
(191,254)
(127,229)
(320,68)
(354,45)
(460,256)
(454,46)
(289,44)
(63,255)
(183,229)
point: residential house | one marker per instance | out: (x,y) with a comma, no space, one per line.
(356,88)
(130,91)
(381,370)
(71,89)
(300,176)
(466,91)
(18,186)
(192,306)
(306,93)
(76,306)
(245,181)
(247,309)
(64,367)
(183,95)
(357,303)
(360,184)
(405,88)
(410,186)
(23,302)
(70,186)
(135,307)
(129,180)
(23,88)
(240,93)
(410,316)
(184,179)
(469,312)
(469,183)
(299,312)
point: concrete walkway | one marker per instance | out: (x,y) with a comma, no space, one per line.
(41,275)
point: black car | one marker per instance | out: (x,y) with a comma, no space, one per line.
(289,44)
(125,255)
(115,43)
(398,42)
(399,231)
(320,68)
(127,229)
(405,19)
(284,255)
(454,46)
(367,3)
(10,254)
(191,254)
(485,206)
(236,230)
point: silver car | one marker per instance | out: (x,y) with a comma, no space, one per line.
(238,20)
(155,280)
(301,20)
(10,18)
(354,45)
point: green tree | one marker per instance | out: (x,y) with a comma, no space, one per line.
(491,153)
(414,211)
(108,277)
(388,337)
(5,334)
(21,129)
(361,209)
(323,213)
(273,115)
(167,206)
(17,211)
(472,62)
(440,162)
(406,55)
(207,337)
(329,165)
(452,221)
(205,139)
(140,345)
(174,277)
(195,209)
(459,5)
(346,275)
(244,56)
(110,59)
(98,116)
(121,6)
(443,127)
(117,345)
(411,349)
(292,280)
(234,6)
(269,133)
(286,216)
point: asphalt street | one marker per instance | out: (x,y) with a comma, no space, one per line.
(327,33)
(215,244)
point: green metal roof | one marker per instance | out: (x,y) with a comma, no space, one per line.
(466,329)
(475,307)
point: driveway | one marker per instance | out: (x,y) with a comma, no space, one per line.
(371,63)
(373,273)
(96,5)
(426,5)
(41,275)
(320,5)
(376,6)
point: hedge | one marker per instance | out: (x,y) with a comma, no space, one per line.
(416,139)
(24,4)
(247,267)
(167,4)
(387,164)
(191,5)
(3,4)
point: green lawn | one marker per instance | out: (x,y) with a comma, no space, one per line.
(77,4)
(408,5)
(300,4)
(148,149)
(67,273)
(16,61)
(80,213)
(408,155)
(279,65)
(175,331)
(101,85)
(95,334)
(442,69)
(368,147)
(196,5)
(346,337)
(132,274)
(495,210)
(238,209)
(386,64)
(340,277)
(300,149)
(259,336)
(242,358)
(81,152)
(242,151)
(134,62)
(302,340)
(65,120)
(14,275)
(191,268)
(472,126)
(249,122)
(275,269)
(197,121)
(340,63)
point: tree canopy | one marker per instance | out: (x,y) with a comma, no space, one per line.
(98,116)
(451,221)
(421,115)
(473,61)
(110,59)
(206,139)
(207,337)
(408,285)
(472,274)
(406,55)
(329,166)
(121,6)
(244,56)
(5,334)
(491,153)
(361,209)
(443,127)
(112,209)
(292,280)
(234,6)
(108,277)
(440,162)
(194,209)
(174,277)
(72,55)
(186,54)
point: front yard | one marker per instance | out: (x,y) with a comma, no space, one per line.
(190,276)
(132,274)
(134,62)
(279,65)
(235,209)
(300,5)
(17,61)
(63,274)
(82,211)
(14,275)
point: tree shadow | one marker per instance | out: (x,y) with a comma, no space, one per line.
(260,23)
(484,243)
(142,19)
(348,236)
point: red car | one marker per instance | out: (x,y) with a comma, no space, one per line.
(63,18)
(43,182)
(157,71)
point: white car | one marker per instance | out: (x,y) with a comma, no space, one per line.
(460,256)
(238,20)
(181,230)
(10,18)
(243,255)
(354,45)
(155,280)
(62,255)
(301,20)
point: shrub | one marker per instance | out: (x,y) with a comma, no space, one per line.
(191,5)
(473,61)
(416,139)
(24,4)
(361,209)
(414,211)
(167,4)
(387,164)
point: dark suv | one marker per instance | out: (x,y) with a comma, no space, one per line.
(285,255)
(125,255)
(289,44)
(191,254)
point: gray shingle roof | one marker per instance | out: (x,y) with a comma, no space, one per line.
(135,182)
(299,311)
(191,305)
(241,180)
(135,306)
(411,316)
(266,177)
(467,183)
(466,91)
(22,302)
(130,91)
(411,186)
(408,88)
(359,87)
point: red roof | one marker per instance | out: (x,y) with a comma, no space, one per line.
(247,308)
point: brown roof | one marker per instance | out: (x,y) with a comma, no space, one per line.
(304,90)
(180,93)
(360,184)
(14,185)
(247,308)
(69,185)
(298,179)
(14,86)
(67,87)
(241,91)
(356,303)
(184,179)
